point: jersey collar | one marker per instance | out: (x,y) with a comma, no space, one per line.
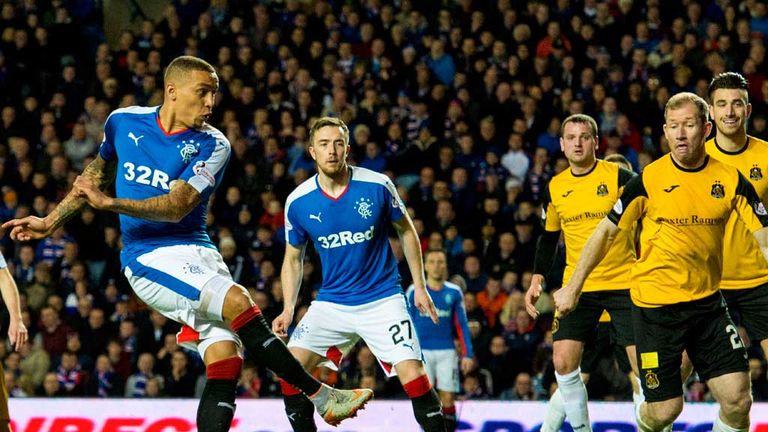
(586,173)
(732,153)
(690,170)
(317,182)
(162,129)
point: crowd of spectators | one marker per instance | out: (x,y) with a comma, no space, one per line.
(460,102)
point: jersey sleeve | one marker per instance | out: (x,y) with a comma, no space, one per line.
(295,235)
(748,205)
(3,264)
(631,205)
(624,177)
(107,149)
(396,206)
(460,323)
(549,217)
(207,168)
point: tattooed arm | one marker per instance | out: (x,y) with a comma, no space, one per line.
(99,172)
(172,207)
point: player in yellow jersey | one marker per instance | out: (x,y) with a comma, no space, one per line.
(684,200)
(745,272)
(575,201)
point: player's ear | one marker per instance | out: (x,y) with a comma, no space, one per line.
(311,151)
(170,90)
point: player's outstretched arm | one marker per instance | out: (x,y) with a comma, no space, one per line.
(593,252)
(546,247)
(290,276)
(99,172)
(412,250)
(172,207)
(17,332)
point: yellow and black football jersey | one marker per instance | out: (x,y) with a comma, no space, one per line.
(684,214)
(743,263)
(575,204)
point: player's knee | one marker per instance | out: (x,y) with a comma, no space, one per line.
(737,405)
(664,413)
(236,302)
(564,362)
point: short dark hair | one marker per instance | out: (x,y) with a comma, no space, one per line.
(580,118)
(182,65)
(727,80)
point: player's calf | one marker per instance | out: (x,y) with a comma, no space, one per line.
(298,408)
(449,415)
(426,404)
(261,343)
(217,405)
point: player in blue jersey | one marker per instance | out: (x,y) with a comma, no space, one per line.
(346,212)
(168,161)
(17,333)
(440,358)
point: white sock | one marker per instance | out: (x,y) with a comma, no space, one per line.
(555,413)
(720,426)
(574,395)
(638,398)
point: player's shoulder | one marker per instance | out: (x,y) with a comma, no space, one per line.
(303,190)
(453,287)
(366,175)
(758,144)
(133,111)
(215,135)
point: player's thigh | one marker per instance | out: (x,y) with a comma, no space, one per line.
(431,360)
(581,323)
(716,348)
(660,337)
(445,364)
(387,329)
(618,303)
(327,330)
(752,306)
(181,282)
(596,347)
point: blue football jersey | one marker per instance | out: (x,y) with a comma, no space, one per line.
(2,262)
(149,160)
(449,302)
(349,234)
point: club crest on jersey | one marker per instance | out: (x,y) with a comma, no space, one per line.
(602,189)
(718,190)
(363,207)
(755,173)
(651,380)
(189,150)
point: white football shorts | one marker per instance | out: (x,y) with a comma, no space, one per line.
(442,368)
(332,330)
(188,284)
